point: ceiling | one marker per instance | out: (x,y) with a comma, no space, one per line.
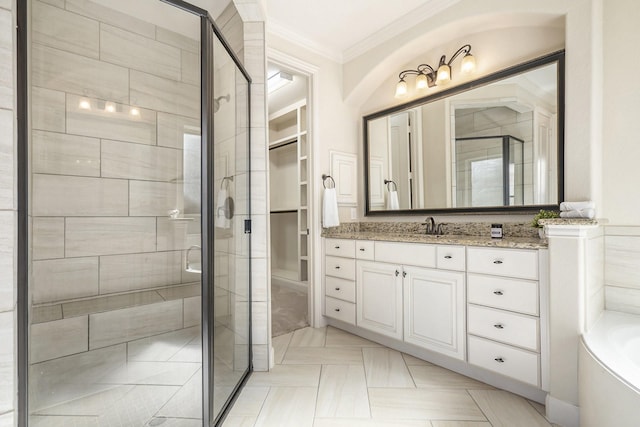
(343,29)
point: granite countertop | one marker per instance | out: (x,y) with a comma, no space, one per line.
(445,239)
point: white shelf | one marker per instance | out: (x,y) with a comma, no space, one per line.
(282,141)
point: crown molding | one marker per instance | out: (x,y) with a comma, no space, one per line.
(396,27)
(277,29)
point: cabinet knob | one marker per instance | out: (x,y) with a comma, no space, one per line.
(397,273)
(497,261)
(337,267)
(499,359)
(498,293)
(361,249)
(404,273)
(337,289)
(336,309)
(448,257)
(337,247)
(498,326)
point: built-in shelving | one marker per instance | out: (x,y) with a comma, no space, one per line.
(288,158)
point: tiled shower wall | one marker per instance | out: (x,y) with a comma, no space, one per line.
(8,215)
(500,121)
(113,100)
(622,269)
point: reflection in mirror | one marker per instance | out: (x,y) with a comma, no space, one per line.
(488,145)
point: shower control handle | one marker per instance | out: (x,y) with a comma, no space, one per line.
(499,359)
(498,293)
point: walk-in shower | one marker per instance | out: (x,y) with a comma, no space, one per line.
(138,302)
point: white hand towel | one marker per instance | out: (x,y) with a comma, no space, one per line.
(584,213)
(392,201)
(221,219)
(330,217)
(577,206)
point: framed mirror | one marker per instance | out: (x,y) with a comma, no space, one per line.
(491,145)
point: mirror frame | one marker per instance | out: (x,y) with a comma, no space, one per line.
(555,57)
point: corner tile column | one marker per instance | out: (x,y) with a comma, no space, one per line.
(567,290)
(8,217)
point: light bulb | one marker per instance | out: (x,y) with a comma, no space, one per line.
(401,89)
(468,63)
(444,74)
(134,111)
(421,81)
(110,107)
(84,104)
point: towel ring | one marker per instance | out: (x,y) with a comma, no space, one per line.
(226,178)
(388,181)
(325,177)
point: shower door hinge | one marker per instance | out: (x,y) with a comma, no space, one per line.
(247,226)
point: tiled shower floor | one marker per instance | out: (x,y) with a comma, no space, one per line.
(159,384)
(329,378)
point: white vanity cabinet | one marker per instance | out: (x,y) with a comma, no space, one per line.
(379,298)
(339,281)
(434,310)
(504,312)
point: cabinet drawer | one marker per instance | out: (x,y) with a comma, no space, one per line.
(340,267)
(450,257)
(504,326)
(416,254)
(340,310)
(512,362)
(340,288)
(503,262)
(340,247)
(499,292)
(364,250)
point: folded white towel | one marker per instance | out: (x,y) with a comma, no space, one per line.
(577,206)
(392,201)
(221,208)
(583,213)
(330,216)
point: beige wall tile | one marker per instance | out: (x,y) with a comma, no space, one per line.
(140,53)
(192,311)
(59,153)
(56,3)
(180,292)
(55,27)
(7,367)
(120,273)
(46,313)
(6,64)
(61,279)
(7,263)
(172,128)
(7,419)
(59,338)
(191,68)
(178,40)
(48,238)
(110,16)
(175,234)
(47,109)
(108,303)
(626,300)
(164,95)
(129,324)
(120,124)
(622,256)
(58,195)
(109,236)
(147,198)
(60,70)
(7,179)
(136,161)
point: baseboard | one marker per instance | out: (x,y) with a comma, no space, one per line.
(289,283)
(563,413)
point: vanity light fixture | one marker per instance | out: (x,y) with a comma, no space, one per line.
(427,77)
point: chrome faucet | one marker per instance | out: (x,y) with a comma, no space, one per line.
(432,228)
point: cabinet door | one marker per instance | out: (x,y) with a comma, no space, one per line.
(434,310)
(379,298)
